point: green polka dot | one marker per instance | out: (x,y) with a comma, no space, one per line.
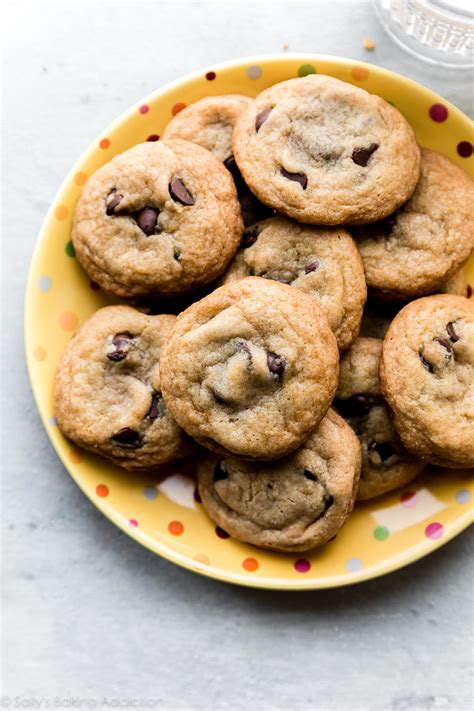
(381,533)
(69,249)
(306,69)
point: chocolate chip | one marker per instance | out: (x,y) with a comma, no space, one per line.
(444,343)
(300,178)
(147,219)
(451,332)
(356,405)
(219,474)
(157,406)
(261,118)
(233,169)
(383,449)
(176,254)
(309,475)
(179,192)
(328,501)
(250,236)
(276,364)
(311,267)
(121,342)
(427,366)
(128,438)
(112,201)
(361,156)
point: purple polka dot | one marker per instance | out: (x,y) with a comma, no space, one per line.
(221,533)
(465,149)
(53,421)
(254,72)
(434,531)
(302,565)
(463,496)
(44,283)
(438,112)
(353,565)
(149,492)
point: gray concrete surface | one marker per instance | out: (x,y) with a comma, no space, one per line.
(90,619)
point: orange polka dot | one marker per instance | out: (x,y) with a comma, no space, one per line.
(80,178)
(61,212)
(200,558)
(177,108)
(75,456)
(105,143)
(175,528)
(102,490)
(68,321)
(360,73)
(39,353)
(250,564)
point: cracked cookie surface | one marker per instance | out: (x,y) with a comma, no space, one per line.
(322,262)
(323,151)
(161,218)
(386,464)
(427,378)
(251,369)
(294,504)
(417,249)
(107,395)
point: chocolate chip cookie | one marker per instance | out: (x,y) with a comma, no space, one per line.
(415,250)
(323,151)
(251,369)
(210,122)
(320,261)
(386,465)
(427,378)
(107,395)
(162,218)
(294,504)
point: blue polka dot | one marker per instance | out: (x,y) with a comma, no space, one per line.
(463,496)
(254,72)
(44,283)
(353,565)
(149,492)
(53,421)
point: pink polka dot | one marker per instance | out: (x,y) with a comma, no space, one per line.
(465,149)
(438,112)
(434,531)
(221,533)
(302,565)
(408,499)
(133,522)
(144,109)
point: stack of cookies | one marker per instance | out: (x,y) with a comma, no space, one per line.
(293,393)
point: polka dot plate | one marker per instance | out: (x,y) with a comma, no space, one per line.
(165,514)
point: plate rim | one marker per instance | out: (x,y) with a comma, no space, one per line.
(398,561)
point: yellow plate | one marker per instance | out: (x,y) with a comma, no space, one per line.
(381,535)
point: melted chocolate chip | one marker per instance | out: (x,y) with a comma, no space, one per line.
(276,364)
(361,156)
(128,438)
(444,343)
(113,200)
(121,342)
(383,449)
(250,236)
(300,178)
(147,219)
(356,405)
(261,118)
(219,474)
(179,192)
(328,501)
(157,406)
(426,365)
(311,267)
(309,475)
(451,332)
